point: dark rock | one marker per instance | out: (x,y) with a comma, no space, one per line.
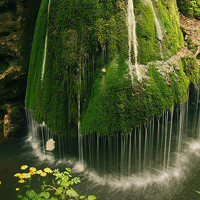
(14,122)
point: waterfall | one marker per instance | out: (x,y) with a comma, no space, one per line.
(45,44)
(158,28)
(132,40)
(80,139)
(158,150)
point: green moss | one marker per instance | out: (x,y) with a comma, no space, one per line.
(75,52)
(83,38)
(116,107)
(190,8)
(169,16)
(29,15)
(191,69)
(110,101)
(145,29)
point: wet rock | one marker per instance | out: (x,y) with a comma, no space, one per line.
(14,122)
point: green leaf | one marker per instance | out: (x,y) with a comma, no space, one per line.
(30,194)
(59,191)
(91,197)
(24,198)
(53,198)
(65,184)
(68,169)
(46,195)
(27,186)
(82,197)
(198,192)
(19,196)
(72,193)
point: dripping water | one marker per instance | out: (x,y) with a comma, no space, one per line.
(152,154)
(45,44)
(132,40)
(158,28)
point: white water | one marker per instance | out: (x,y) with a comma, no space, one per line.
(79,114)
(45,45)
(132,40)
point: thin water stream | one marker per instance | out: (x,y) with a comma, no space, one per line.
(45,44)
(158,160)
(132,40)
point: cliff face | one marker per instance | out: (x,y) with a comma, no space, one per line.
(16,31)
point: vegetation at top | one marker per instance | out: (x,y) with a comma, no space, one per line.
(190,8)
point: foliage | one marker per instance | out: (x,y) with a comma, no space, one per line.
(190,8)
(61,187)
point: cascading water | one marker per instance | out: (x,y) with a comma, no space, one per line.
(45,45)
(157,153)
(158,28)
(132,40)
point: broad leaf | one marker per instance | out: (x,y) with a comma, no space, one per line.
(91,197)
(46,195)
(19,196)
(72,193)
(53,198)
(24,198)
(82,197)
(65,184)
(59,191)
(30,194)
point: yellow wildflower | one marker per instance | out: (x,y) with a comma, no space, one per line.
(32,172)
(23,167)
(17,174)
(39,171)
(32,169)
(0,182)
(21,181)
(43,174)
(26,175)
(48,170)
(17,189)
(58,175)
(21,176)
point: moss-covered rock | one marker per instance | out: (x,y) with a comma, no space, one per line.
(79,72)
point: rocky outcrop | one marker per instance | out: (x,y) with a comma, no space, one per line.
(10,30)
(14,121)
(191,31)
(17,22)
